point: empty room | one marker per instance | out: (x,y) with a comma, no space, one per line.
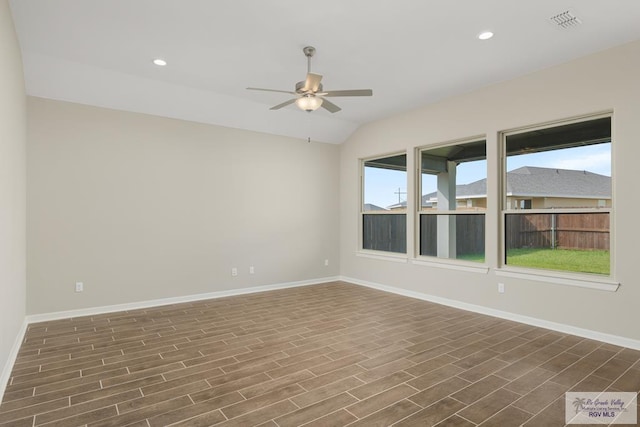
(283,213)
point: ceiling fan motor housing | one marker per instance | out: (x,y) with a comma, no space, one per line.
(300,88)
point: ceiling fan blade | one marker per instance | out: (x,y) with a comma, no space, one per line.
(312,83)
(272,90)
(284,104)
(353,92)
(330,106)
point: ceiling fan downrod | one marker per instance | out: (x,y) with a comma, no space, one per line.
(309,51)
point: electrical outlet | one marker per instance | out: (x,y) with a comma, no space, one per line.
(501,288)
(234,271)
(79,287)
(252,270)
(326,262)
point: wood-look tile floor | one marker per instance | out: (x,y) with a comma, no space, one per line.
(323,355)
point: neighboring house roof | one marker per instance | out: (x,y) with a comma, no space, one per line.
(531,181)
(372,207)
(546,182)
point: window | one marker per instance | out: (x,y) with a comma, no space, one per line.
(557,197)
(384,204)
(453,201)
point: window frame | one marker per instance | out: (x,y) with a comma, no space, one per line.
(580,279)
(428,260)
(372,253)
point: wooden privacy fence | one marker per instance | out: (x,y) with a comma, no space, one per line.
(585,231)
(387,232)
(384,232)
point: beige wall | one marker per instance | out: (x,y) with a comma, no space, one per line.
(602,82)
(12,188)
(557,202)
(139,207)
(551,202)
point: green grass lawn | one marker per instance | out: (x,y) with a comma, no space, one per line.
(561,259)
(472,257)
(554,259)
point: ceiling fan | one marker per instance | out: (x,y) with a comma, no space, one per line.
(309,95)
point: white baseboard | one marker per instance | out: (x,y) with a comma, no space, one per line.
(559,327)
(35,318)
(5,375)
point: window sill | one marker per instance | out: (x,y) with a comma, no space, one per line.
(481,268)
(602,284)
(383,256)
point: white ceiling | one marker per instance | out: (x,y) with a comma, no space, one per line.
(410,52)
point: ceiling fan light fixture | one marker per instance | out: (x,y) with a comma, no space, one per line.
(485,35)
(309,102)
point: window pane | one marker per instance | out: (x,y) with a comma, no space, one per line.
(567,178)
(384,222)
(385,184)
(469,235)
(559,169)
(471,187)
(453,178)
(384,232)
(559,241)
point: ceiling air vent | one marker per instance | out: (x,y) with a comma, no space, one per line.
(565,20)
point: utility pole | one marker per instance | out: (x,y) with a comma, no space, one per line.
(400,193)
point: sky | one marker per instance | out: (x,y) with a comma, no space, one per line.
(381,185)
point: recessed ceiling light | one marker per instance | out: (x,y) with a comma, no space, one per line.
(160,62)
(485,35)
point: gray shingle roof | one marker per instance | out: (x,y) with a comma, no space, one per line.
(531,181)
(372,207)
(546,182)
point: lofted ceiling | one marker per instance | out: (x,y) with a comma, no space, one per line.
(410,52)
